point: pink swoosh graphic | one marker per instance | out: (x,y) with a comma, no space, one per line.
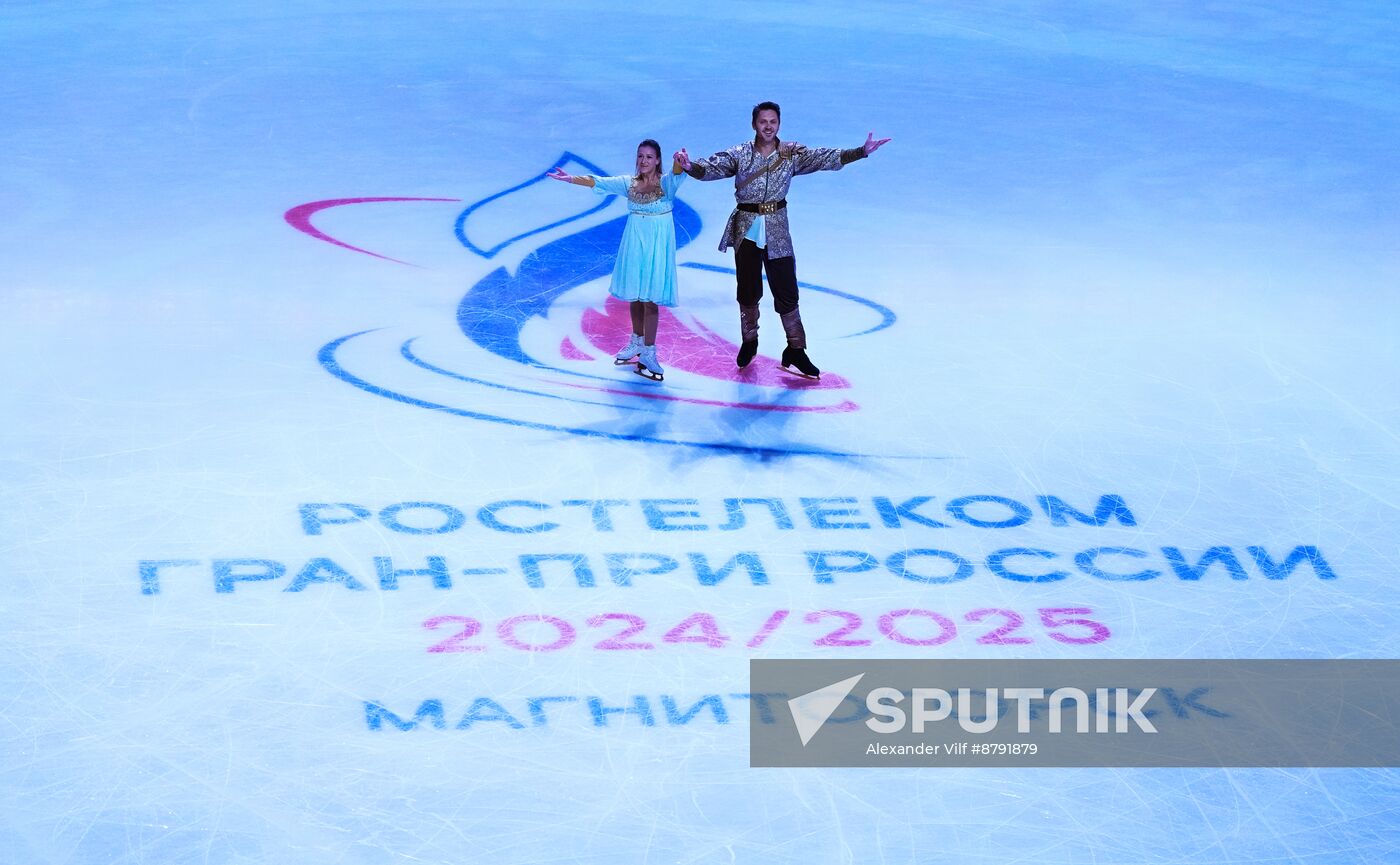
(569,351)
(703,352)
(299,217)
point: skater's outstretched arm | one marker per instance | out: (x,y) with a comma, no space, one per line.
(810,159)
(721,165)
(576,179)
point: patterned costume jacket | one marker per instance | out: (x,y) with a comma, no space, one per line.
(760,181)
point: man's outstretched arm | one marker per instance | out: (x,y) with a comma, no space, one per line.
(807,160)
(721,165)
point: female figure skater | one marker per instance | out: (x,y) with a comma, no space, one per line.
(645,273)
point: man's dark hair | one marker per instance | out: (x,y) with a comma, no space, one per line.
(766,106)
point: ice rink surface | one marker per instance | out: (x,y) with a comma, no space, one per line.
(333,536)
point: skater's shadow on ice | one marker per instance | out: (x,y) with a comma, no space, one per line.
(759,428)
(758,437)
(649,423)
(738,430)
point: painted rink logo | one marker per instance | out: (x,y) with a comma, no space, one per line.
(539,340)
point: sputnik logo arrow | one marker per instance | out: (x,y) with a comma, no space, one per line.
(811,710)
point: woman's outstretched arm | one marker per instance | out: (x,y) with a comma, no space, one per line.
(578,180)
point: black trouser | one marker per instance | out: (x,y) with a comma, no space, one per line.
(749,264)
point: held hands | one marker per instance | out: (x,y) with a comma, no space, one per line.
(561,174)
(871,145)
(681,158)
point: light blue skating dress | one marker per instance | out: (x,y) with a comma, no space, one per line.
(646,259)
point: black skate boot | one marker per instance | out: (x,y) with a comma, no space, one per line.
(796,352)
(748,332)
(746,353)
(793,356)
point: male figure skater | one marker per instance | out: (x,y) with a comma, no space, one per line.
(758,228)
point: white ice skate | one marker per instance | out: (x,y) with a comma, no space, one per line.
(628,353)
(648,366)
